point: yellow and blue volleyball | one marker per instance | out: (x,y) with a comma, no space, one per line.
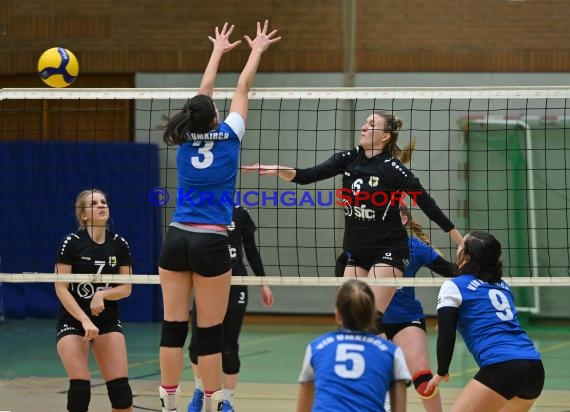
(58,67)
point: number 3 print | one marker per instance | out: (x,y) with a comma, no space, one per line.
(207,157)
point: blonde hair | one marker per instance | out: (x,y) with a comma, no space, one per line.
(80,205)
(355,305)
(416,229)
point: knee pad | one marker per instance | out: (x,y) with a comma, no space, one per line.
(210,340)
(421,380)
(193,350)
(230,359)
(173,334)
(120,393)
(78,395)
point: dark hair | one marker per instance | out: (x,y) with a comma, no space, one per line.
(355,305)
(483,251)
(392,125)
(197,116)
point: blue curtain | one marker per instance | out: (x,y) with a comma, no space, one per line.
(38,185)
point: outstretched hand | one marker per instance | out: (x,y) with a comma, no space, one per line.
(435,381)
(221,40)
(262,39)
(263,170)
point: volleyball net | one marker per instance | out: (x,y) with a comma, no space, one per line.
(494,159)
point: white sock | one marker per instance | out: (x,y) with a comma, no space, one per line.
(199,384)
(229,395)
(169,398)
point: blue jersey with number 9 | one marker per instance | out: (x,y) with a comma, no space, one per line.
(487,320)
(207,168)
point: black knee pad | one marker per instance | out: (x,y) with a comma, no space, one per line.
(173,334)
(120,393)
(230,359)
(193,350)
(78,395)
(210,340)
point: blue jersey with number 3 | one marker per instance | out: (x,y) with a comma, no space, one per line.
(487,320)
(352,371)
(207,168)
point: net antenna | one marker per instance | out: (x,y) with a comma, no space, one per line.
(494,159)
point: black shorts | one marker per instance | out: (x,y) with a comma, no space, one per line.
(520,377)
(392,329)
(395,257)
(71,326)
(207,254)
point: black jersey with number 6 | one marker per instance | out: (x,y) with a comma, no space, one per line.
(86,256)
(372,188)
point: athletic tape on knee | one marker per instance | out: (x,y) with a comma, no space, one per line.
(210,340)
(173,334)
(421,380)
(120,393)
(230,359)
(78,395)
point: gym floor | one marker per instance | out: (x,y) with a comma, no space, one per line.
(272,349)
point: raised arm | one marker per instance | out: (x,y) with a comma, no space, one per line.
(258,45)
(222,45)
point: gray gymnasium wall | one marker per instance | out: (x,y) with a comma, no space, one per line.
(431,124)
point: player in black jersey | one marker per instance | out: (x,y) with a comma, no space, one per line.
(374,183)
(241,237)
(89,312)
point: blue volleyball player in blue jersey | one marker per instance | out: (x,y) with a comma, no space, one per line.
(352,369)
(404,320)
(480,305)
(195,253)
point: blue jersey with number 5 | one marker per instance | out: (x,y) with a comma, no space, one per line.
(352,371)
(207,168)
(487,320)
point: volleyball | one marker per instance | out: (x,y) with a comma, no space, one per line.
(58,67)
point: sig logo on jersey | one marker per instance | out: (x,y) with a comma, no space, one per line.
(85,290)
(358,212)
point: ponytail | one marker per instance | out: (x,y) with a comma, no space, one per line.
(197,116)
